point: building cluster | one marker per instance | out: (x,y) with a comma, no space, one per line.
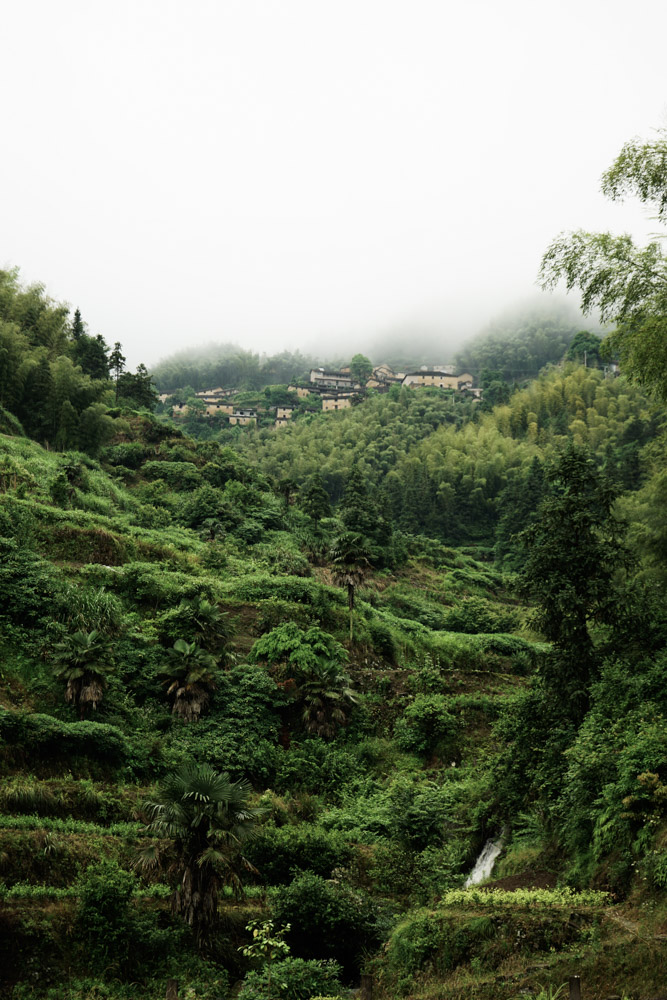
(338,390)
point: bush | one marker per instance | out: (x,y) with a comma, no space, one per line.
(474,615)
(42,737)
(103,921)
(129,454)
(293,979)
(277,851)
(427,726)
(383,640)
(327,920)
(177,475)
(318,767)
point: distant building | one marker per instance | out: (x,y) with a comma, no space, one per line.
(243,417)
(213,409)
(321,379)
(299,390)
(284,412)
(437,378)
(336,403)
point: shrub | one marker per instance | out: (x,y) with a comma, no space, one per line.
(42,737)
(277,851)
(382,639)
(327,920)
(474,615)
(427,726)
(177,475)
(129,454)
(318,767)
(103,921)
(293,979)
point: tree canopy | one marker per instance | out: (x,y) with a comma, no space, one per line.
(626,283)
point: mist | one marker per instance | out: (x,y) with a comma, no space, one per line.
(311,176)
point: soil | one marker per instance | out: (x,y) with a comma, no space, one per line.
(526,880)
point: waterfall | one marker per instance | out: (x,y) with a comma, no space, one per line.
(485,862)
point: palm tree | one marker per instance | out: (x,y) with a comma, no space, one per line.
(327,698)
(84,661)
(350,563)
(212,625)
(190,679)
(208,820)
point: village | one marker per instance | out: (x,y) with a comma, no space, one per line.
(331,390)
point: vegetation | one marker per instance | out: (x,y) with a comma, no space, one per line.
(264,785)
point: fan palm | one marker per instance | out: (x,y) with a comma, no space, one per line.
(208,819)
(212,624)
(84,661)
(327,698)
(190,679)
(350,564)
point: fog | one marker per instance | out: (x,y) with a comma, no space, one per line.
(309,174)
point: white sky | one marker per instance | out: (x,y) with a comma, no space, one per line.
(302,173)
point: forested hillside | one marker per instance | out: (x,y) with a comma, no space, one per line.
(264,700)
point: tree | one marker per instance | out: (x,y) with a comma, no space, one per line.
(137,388)
(573,555)
(585,348)
(327,698)
(626,283)
(78,326)
(84,661)
(95,428)
(361,368)
(190,679)
(208,819)
(117,363)
(92,356)
(314,499)
(350,564)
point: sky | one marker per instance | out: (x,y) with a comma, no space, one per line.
(311,173)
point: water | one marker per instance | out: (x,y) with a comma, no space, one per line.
(485,862)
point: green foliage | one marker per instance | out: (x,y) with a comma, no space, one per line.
(625,283)
(327,920)
(428,727)
(573,555)
(41,737)
(277,851)
(564,897)
(517,347)
(293,979)
(103,922)
(208,818)
(299,648)
(475,614)
(315,766)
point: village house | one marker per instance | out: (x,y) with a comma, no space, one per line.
(437,378)
(243,417)
(213,409)
(336,403)
(322,379)
(299,390)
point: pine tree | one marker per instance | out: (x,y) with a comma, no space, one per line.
(78,326)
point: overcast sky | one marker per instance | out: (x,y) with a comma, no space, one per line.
(303,173)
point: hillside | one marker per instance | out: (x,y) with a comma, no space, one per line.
(319,612)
